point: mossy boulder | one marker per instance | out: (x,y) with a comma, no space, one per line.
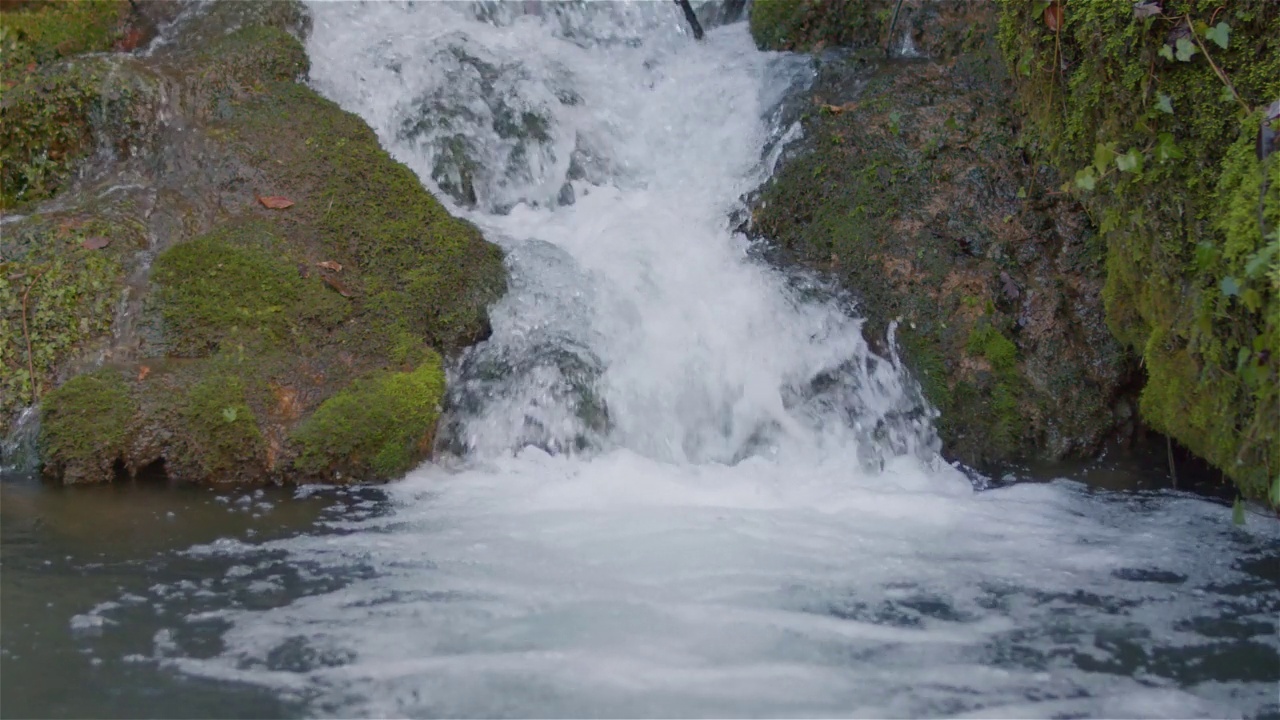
(262,344)
(1156,119)
(86,425)
(380,424)
(910,187)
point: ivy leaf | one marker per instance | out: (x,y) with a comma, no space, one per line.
(1230,286)
(1167,149)
(1166,52)
(1085,179)
(1206,256)
(1220,33)
(1164,103)
(1260,260)
(1242,357)
(229,414)
(1186,49)
(1103,154)
(1146,9)
(1252,299)
(1130,161)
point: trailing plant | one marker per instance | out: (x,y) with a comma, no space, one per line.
(1155,111)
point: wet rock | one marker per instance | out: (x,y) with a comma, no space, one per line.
(207,333)
(910,173)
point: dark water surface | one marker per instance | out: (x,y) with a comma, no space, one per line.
(65,552)
(100,585)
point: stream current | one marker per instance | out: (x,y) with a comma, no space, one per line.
(674,482)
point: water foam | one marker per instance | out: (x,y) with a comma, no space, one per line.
(685,486)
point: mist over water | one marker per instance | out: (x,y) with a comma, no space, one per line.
(676,481)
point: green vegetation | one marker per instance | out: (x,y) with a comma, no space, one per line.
(219,426)
(85,427)
(804,24)
(265,319)
(240,286)
(377,427)
(1003,413)
(422,270)
(48,31)
(70,294)
(1155,116)
(246,59)
(48,108)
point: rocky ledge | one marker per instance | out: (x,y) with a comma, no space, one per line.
(209,270)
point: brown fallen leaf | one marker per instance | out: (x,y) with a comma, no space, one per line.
(95,243)
(330,265)
(275,202)
(837,109)
(1053,17)
(143,372)
(337,285)
(130,40)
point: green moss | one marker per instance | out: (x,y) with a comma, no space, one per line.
(85,426)
(240,286)
(246,59)
(1002,403)
(70,295)
(1182,225)
(424,271)
(376,428)
(221,429)
(54,116)
(49,31)
(802,24)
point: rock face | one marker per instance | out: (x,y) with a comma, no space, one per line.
(1159,114)
(1076,224)
(912,188)
(233,281)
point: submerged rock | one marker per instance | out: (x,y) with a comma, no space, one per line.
(257,291)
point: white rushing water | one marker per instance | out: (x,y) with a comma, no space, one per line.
(683,484)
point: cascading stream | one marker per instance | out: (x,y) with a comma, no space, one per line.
(605,150)
(680,483)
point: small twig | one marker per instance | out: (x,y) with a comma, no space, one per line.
(26,335)
(1173,470)
(1221,75)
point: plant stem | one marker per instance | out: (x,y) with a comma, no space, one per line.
(26,335)
(1217,70)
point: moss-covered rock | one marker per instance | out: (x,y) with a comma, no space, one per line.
(59,113)
(85,427)
(909,187)
(57,296)
(44,32)
(250,346)
(222,429)
(379,426)
(240,286)
(924,27)
(1157,122)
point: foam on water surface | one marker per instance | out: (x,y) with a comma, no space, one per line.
(680,482)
